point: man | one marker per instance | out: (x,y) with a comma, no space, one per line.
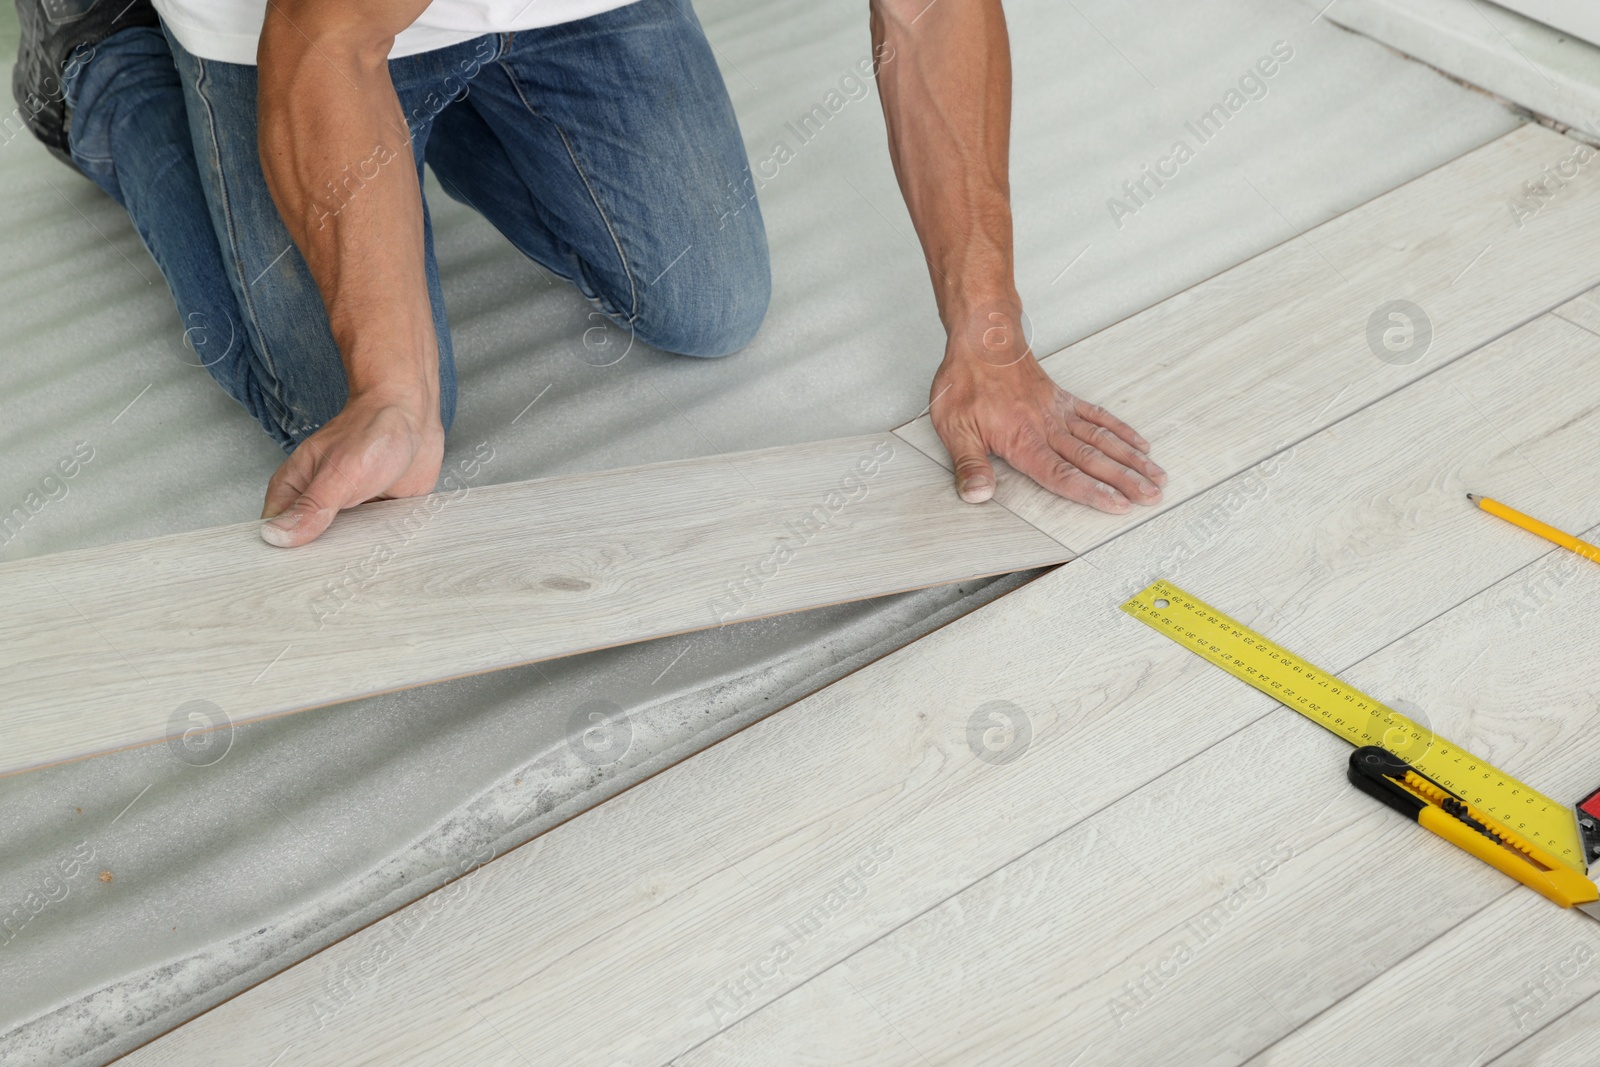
(269,153)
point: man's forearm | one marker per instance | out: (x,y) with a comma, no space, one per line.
(945,79)
(336,153)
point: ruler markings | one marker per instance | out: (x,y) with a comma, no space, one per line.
(1321,697)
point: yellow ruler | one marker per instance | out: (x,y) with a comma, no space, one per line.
(1356,717)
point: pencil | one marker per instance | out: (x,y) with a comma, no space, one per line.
(1533,525)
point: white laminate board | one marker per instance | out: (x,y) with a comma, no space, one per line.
(1577,17)
(1513,55)
(123,644)
(822,829)
(1290,341)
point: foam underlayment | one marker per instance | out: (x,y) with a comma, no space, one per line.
(315,824)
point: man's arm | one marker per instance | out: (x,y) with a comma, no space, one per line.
(944,72)
(324,103)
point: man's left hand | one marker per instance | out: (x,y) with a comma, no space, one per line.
(991,397)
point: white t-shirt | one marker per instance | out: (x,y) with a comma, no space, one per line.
(228,30)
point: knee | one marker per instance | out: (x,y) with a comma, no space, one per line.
(713,309)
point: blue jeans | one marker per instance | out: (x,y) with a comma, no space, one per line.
(604,149)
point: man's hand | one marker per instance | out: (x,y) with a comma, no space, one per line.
(991,397)
(377,447)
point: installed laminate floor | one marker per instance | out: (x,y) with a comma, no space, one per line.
(1249,891)
(989,846)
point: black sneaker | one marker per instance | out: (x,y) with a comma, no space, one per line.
(51,30)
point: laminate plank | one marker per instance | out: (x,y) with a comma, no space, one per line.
(107,647)
(824,828)
(1278,347)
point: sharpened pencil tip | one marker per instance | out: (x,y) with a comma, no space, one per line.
(1471,497)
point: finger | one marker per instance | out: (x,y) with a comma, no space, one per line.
(310,512)
(1038,461)
(1101,417)
(970,458)
(1107,441)
(1117,449)
(1101,467)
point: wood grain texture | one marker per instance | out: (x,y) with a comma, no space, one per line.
(701,897)
(1278,347)
(1511,967)
(1208,914)
(105,647)
(1569,1037)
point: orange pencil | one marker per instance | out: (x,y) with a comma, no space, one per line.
(1533,525)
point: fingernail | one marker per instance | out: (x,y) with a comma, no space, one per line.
(275,531)
(976,491)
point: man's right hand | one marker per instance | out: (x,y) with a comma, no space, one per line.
(375,448)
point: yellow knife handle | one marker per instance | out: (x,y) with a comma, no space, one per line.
(1560,884)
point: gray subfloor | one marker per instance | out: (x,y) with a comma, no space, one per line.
(312,825)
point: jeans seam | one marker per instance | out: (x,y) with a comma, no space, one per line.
(69,95)
(271,382)
(627,270)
